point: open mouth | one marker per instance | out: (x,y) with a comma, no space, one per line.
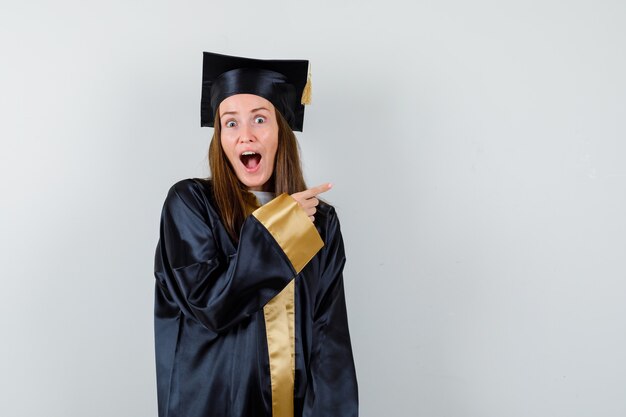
(250,159)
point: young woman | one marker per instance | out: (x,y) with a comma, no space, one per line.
(250,315)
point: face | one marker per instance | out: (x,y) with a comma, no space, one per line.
(249,137)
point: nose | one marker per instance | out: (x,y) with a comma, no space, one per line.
(246,134)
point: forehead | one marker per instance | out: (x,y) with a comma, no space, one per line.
(244,103)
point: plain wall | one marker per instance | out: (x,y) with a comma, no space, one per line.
(479,159)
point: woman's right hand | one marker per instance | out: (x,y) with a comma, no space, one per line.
(308,199)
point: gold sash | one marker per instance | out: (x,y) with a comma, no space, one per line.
(296,235)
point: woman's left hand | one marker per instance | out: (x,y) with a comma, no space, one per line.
(308,198)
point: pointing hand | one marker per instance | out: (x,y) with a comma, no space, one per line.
(308,198)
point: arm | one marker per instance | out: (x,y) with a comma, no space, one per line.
(333,391)
(220,290)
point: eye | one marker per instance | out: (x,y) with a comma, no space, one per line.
(230,123)
(259,119)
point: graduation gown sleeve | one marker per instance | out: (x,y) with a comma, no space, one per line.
(333,390)
(219,289)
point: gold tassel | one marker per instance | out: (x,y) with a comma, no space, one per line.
(306,93)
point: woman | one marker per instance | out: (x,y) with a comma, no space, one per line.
(250,316)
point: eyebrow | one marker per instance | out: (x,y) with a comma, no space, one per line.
(251,111)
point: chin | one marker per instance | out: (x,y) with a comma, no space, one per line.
(257,185)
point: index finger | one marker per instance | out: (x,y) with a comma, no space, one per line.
(322,188)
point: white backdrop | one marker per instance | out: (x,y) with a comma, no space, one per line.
(478,154)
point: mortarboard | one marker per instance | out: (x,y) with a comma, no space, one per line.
(285,83)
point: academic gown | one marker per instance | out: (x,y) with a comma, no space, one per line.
(254,329)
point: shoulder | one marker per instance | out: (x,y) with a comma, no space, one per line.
(325,211)
(192,193)
(327,221)
(190,187)
(327,225)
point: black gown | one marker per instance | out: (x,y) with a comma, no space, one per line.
(256,329)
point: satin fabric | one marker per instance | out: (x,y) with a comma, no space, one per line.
(281,345)
(281,81)
(297,237)
(299,241)
(210,337)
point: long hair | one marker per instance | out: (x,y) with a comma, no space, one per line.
(230,194)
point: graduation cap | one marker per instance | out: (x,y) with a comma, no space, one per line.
(285,83)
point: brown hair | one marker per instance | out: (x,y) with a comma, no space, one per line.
(229,192)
